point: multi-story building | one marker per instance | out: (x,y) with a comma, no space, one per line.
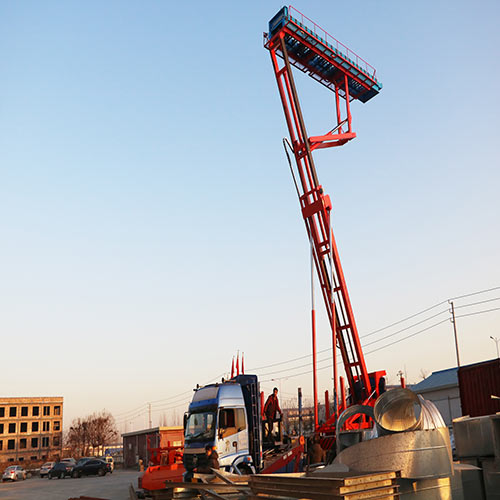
(30,428)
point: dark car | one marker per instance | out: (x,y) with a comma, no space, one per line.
(60,470)
(90,467)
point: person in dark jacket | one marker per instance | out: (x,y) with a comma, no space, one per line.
(212,461)
(315,454)
(271,408)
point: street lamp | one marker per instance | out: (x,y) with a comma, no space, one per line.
(496,343)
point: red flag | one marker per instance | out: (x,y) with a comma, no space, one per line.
(232,368)
(242,363)
(238,364)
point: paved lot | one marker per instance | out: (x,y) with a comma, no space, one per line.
(111,487)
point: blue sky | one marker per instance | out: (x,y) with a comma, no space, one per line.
(149,223)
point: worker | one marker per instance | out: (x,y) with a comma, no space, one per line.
(212,461)
(315,454)
(271,409)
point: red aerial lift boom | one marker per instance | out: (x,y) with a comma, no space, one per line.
(294,40)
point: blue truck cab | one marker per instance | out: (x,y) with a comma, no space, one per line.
(225,415)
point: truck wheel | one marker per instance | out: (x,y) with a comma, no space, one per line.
(245,469)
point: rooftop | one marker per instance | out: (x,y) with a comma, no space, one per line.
(438,380)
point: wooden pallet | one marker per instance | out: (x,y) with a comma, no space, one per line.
(346,486)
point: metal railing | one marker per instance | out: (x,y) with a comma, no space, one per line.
(332,41)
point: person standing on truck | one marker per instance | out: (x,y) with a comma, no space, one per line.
(271,408)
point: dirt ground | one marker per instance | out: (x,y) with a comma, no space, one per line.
(110,487)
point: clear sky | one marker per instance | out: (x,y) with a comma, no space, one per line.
(149,223)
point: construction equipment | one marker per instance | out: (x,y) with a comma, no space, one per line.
(227,416)
(301,43)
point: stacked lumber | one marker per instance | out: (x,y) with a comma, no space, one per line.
(342,486)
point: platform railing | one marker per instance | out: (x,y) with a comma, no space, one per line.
(319,31)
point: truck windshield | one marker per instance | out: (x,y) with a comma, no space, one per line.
(200,426)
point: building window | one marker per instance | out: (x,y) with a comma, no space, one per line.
(1,428)
(11,444)
(21,459)
(57,441)
(34,426)
(35,411)
(45,442)
(12,428)
(34,442)
(34,457)
(57,410)
(24,427)
(22,443)
(46,411)
(12,411)
(57,425)
(46,426)
(10,460)
(1,445)
(2,411)
(24,411)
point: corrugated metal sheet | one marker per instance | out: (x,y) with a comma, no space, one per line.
(477,384)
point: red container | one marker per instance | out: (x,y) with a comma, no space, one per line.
(478,382)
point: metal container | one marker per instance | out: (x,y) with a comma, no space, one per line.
(467,482)
(474,437)
(491,478)
(421,454)
(397,410)
(477,384)
(426,489)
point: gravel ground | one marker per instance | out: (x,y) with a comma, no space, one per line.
(110,487)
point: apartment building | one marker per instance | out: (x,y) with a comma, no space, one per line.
(30,428)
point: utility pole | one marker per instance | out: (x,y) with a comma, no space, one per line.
(496,343)
(313,327)
(300,410)
(453,320)
(150,421)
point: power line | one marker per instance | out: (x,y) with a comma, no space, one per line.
(475,293)
(399,340)
(408,336)
(477,303)
(170,398)
(404,319)
(404,329)
(479,312)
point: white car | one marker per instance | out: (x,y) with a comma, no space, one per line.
(14,473)
(45,468)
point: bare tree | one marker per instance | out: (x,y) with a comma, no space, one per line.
(91,433)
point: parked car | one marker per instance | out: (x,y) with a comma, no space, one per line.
(14,473)
(60,470)
(45,468)
(90,467)
(110,462)
(70,461)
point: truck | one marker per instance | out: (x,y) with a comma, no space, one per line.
(227,416)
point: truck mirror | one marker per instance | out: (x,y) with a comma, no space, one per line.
(185,421)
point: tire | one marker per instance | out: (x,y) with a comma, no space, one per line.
(74,475)
(245,469)
(62,475)
(101,472)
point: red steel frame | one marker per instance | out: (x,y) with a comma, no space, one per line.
(316,210)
